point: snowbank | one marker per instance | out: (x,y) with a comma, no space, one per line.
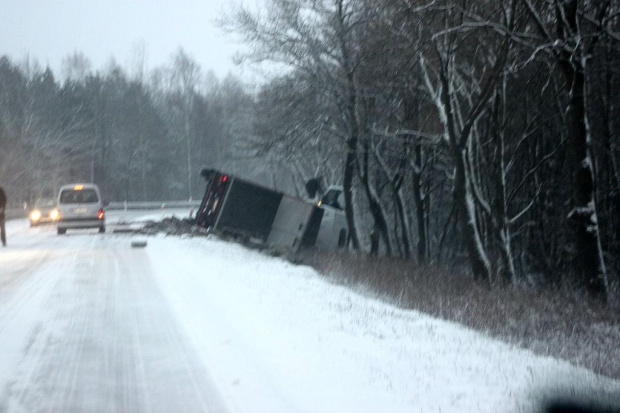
(278,338)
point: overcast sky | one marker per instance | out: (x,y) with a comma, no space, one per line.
(49,30)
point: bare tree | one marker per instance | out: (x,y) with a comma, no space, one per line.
(317,38)
(185,79)
(568,30)
(76,67)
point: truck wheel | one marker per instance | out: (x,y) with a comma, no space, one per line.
(101,230)
(62,231)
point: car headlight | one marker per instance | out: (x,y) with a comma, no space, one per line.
(35,215)
(54,214)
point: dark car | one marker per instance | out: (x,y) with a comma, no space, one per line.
(44,211)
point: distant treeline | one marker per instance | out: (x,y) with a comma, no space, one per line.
(139,136)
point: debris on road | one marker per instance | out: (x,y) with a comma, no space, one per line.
(138,244)
(187,227)
(168,226)
(173,226)
(123,227)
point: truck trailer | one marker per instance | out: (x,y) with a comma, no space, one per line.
(240,208)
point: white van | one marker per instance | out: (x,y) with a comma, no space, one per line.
(80,206)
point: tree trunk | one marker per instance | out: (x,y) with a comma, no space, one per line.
(412,111)
(419,204)
(351,160)
(500,219)
(589,263)
(463,181)
(188,145)
(374,203)
(404,223)
(349,173)
(464,198)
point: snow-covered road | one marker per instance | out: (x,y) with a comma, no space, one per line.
(84,327)
(89,324)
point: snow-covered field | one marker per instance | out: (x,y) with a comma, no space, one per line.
(194,324)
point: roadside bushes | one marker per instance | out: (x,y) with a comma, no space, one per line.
(561,324)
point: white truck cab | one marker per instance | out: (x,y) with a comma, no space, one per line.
(333,231)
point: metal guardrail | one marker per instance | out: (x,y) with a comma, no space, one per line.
(16,213)
(129,206)
(120,206)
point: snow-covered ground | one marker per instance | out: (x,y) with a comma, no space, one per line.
(193,324)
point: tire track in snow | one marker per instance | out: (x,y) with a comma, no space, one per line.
(107,341)
(21,269)
(41,336)
(21,320)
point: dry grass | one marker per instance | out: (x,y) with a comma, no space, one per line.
(547,322)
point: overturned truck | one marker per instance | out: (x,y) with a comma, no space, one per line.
(236,207)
